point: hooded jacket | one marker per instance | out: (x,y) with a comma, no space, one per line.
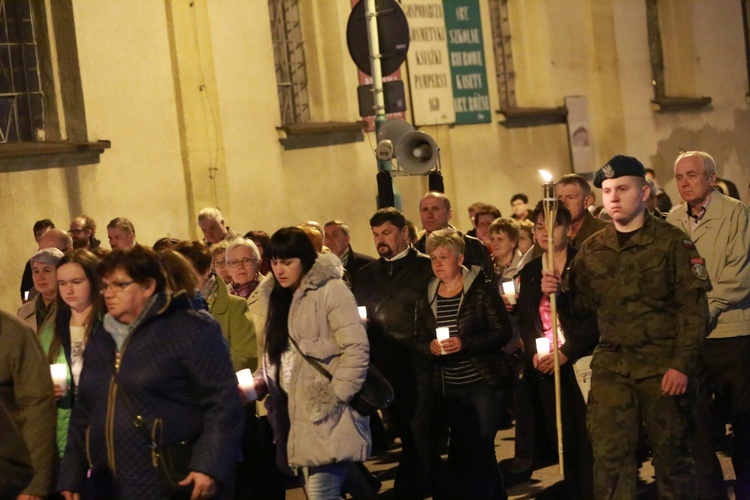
(482,322)
(312,423)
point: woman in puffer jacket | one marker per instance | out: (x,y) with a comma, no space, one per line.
(312,311)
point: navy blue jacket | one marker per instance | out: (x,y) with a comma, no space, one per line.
(175,369)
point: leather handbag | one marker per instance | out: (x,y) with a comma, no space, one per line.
(376,392)
(171,462)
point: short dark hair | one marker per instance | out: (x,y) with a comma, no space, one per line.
(344,227)
(390,214)
(123,224)
(42,224)
(579,180)
(260,238)
(197,253)
(563,214)
(165,244)
(292,243)
(650,171)
(519,196)
(140,262)
(488,210)
(179,272)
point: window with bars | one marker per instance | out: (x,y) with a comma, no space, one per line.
(289,57)
(506,85)
(21,97)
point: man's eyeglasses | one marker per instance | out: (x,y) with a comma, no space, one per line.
(244,262)
(115,286)
(220,263)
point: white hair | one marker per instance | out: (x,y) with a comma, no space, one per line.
(709,165)
(243,242)
(210,213)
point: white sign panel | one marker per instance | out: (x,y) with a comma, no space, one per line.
(429,63)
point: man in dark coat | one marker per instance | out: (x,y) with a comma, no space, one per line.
(28,414)
(337,237)
(389,288)
(435,212)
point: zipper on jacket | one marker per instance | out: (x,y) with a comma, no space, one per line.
(109,430)
(88,451)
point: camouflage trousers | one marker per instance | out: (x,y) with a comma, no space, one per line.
(612,421)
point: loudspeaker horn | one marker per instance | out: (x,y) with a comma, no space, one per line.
(416,152)
(394,129)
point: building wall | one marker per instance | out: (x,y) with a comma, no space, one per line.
(186,92)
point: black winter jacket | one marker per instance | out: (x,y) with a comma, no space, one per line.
(483,327)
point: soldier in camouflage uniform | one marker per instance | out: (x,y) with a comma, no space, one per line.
(647,285)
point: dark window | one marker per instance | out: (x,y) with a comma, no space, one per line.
(21,98)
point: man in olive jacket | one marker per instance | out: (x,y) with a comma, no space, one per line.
(27,394)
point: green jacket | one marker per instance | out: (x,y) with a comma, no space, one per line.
(236,326)
(649,298)
(64,405)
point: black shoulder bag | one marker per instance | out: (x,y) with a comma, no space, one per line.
(171,461)
(376,393)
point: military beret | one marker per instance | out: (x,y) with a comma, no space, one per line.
(619,166)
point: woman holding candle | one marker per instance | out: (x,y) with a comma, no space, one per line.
(469,364)
(575,340)
(155,371)
(79,308)
(312,313)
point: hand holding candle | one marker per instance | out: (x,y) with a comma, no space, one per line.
(509,289)
(59,373)
(542,346)
(442,333)
(247,384)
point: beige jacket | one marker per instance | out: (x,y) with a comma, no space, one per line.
(323,428)
(722,238)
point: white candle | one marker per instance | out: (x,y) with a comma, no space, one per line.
(59,372)
(247,384)
(542,346)
(362,313)
(26,296)
(509,289)
(442,333)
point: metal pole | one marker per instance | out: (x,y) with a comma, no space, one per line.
(550,214)
(371,21)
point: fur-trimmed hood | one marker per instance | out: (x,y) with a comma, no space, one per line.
(326,267)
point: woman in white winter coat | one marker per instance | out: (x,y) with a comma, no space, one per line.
(316,430)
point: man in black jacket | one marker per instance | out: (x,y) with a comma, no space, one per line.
(337,239)
(389,288)
(435,212)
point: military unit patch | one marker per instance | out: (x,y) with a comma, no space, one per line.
(699,271)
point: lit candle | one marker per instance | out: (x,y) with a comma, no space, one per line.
(362,313)
(247,384)
(442,333)
(509,289)
(59,372)
(542,346)
(26,296)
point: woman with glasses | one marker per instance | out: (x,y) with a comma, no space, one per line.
(79,308)
(243,260)
(155,371)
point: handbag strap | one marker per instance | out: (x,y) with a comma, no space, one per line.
(313,362)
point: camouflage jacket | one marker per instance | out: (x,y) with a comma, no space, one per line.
(649,298)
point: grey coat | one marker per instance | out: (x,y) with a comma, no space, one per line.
(321,427)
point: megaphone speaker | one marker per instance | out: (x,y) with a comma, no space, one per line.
(393,130)
(416,152)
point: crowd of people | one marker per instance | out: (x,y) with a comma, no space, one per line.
(121,375)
